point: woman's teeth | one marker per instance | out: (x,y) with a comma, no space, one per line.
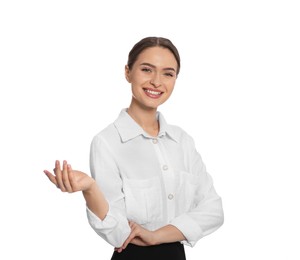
(152,92)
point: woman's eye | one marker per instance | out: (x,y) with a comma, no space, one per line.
(169,74)
(146,69)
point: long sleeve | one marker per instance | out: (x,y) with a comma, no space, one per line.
(114,228)
(206,213)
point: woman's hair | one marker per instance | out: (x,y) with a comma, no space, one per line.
(149,42)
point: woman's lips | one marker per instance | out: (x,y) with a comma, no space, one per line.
(152,93)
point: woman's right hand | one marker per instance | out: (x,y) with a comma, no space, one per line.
(68,180)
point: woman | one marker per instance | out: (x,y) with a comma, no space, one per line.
(149,193)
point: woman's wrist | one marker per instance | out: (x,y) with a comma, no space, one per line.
(156,238)
(167,234)
(91,188)
(95,200)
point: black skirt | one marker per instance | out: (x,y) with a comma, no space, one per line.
(172,251)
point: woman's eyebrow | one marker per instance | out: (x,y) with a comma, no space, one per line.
(153,66)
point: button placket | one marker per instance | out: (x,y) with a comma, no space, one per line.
(167,177)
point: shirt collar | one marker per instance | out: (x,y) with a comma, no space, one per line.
(129,129)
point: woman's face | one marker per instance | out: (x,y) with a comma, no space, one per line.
(152,77)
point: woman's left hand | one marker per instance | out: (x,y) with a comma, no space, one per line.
(138,236)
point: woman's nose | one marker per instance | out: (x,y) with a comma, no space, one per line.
(156,81)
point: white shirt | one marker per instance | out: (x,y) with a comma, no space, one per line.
(153,181)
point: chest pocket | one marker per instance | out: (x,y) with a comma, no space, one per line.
(189,191)
(143,200)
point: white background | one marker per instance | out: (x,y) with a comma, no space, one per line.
(61,79)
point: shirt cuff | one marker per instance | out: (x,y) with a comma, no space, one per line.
(106,225)
(113,228)
(189,228)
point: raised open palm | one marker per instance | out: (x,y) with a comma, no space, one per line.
(68,180)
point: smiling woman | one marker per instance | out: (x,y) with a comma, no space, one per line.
(149,194)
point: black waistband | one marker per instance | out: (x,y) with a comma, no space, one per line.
(174,251)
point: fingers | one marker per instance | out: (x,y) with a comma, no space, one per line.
(134,233)
(51,177)
(132,224)
(119,249)
(58,174)
(71,176)
(65,177)
(137,236)
(62,177)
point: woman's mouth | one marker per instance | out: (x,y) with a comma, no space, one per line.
(153,93)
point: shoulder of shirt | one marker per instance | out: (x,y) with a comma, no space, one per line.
(106,133)
(180,134)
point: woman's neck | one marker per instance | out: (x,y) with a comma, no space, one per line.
(145,117)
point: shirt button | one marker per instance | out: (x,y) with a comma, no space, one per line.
(170,196)
(165,167)
(154,141)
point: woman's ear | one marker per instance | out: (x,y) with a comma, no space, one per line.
(127,73)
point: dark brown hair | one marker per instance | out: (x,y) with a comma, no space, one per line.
(149,42)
